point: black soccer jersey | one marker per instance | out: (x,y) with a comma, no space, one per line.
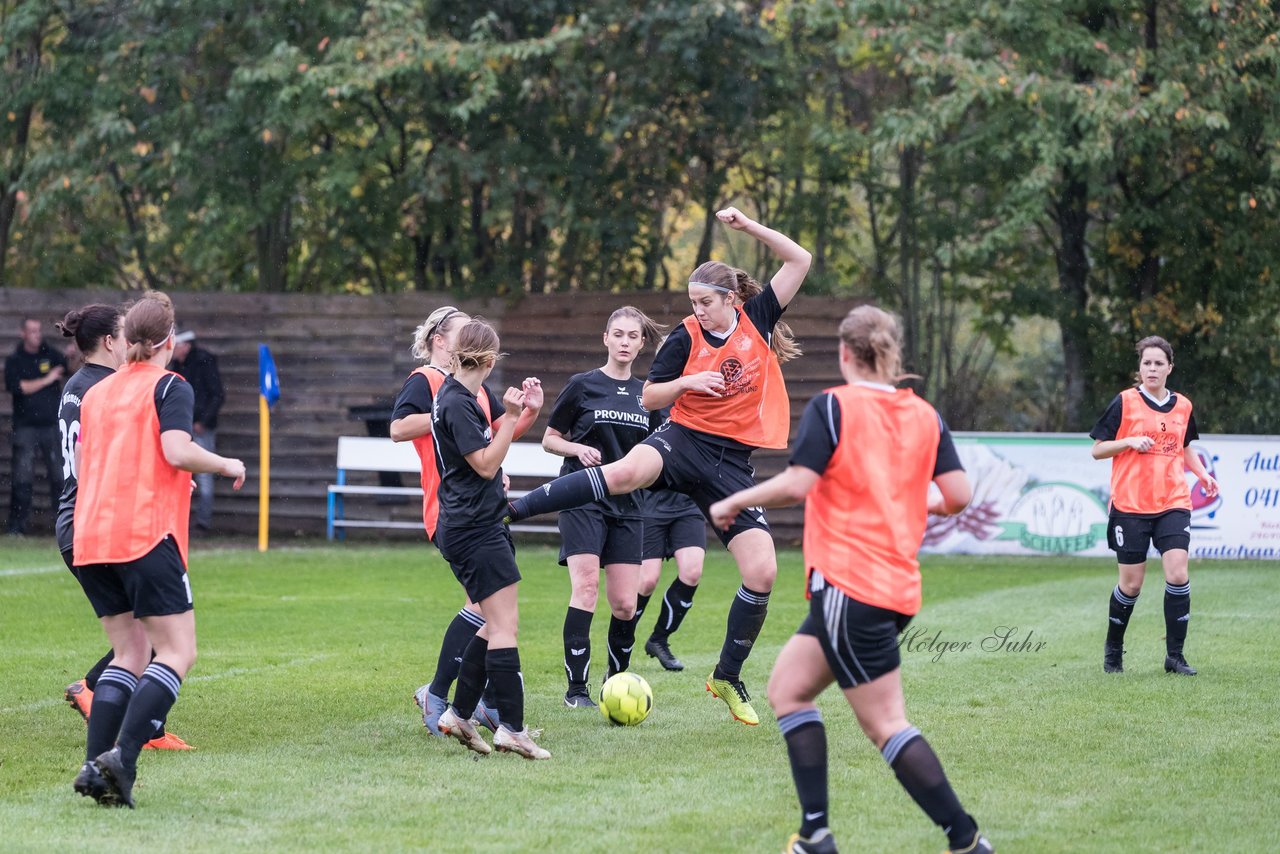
(819,431)
(1109,424)
(459,428)
(69,429)
(606,414)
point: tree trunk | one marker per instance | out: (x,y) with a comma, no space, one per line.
(272,238)
(137,234)
(908,248)
(1071,213)
(710,195)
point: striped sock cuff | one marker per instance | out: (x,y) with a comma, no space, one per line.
(1121,598)
(471,617)
(1178,589)
(599,490)
(896,742)
(120,676)
(163,675)
(795,720)
(751,597)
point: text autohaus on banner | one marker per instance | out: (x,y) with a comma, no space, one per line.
(1045,494)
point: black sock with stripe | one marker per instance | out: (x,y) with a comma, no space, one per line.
(461,630)
(95,673)
(621,640)
(676,602)
(157,692)
(920,773)
(1177,615)
(507,683)
(806,739)
(110,703)
(746,619)
(563,493)
(642,602)
(471,677)
(577,647)
(1119,611)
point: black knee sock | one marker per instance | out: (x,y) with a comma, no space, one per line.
(806,739)
(676,602)
(577,646)
(95,673)
(1118,617)
(157,692)
(1177,614)
(563,493)
(508,686)
(642,602)
(622,639)
(109,705)
(746,618)
(920,773)
(471,677)
(461,630)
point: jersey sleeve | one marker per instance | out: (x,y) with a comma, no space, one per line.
(414,398)
(175,403)
(948,457)
(565,410)
(764,311)
(669,361)
(466,423)
(1109,424)
(818,433)
(1193,433)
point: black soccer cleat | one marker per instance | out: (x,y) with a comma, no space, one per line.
(90,783)
(659,648)
(1113,658)
(1177,664)
(822,842)
(119,779)
(980,845)
(578,697)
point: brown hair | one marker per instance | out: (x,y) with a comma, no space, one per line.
(148,324)
(650,330)
(438,322)
(90,324)
(717,274)
(874,337)
(1158,343)
(477,345)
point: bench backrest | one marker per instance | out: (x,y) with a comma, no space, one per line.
(363,453)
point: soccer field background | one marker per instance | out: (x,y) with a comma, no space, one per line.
(301,708)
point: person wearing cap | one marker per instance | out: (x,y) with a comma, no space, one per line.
(199,367)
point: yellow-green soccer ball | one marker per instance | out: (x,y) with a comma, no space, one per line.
(625,699)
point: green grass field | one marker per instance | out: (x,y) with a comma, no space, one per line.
(308,739)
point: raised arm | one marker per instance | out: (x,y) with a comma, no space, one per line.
(781,490)
(795,258)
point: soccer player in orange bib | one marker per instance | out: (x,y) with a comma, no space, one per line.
(719,372)
(136,457)
(1146,433)
(434,341)
(862,462)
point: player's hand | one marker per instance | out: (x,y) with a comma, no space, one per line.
(734,218)
(513,401)
(1210,486)
(532,388)
(55,374)
(723,513)
(588,455)
(234,469)
(706,382)
(1141,444)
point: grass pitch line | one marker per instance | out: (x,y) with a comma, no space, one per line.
(33,570)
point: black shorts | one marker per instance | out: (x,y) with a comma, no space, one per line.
(154,585)
(706,472)
(1131,536)
(860,641)
(482,559)
(664,537)
(590,531)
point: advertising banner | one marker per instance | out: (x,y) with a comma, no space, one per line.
(1046,494)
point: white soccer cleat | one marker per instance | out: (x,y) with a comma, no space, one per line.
(464,731)
(520,742)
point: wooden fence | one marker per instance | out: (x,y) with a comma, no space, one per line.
(338,352)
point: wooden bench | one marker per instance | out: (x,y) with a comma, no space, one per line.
(364,454)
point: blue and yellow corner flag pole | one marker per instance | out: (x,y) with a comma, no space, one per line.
(268,394)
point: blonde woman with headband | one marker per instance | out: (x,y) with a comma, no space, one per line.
(434,343)
(135,460)
(720,373)
(863,461)
(473,539)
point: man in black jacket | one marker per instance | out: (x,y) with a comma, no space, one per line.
(33,375)
(199,367)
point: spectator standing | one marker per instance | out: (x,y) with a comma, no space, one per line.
(33,375)
(199,367)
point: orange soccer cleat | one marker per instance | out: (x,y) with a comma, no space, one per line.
(79,697)
(168,741)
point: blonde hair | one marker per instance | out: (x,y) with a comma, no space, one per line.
(874,337)
(477,345)
(717,274)
(650,330)
(147,325)
(438,322)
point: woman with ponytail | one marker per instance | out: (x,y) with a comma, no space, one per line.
(863,461)
(135,458)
